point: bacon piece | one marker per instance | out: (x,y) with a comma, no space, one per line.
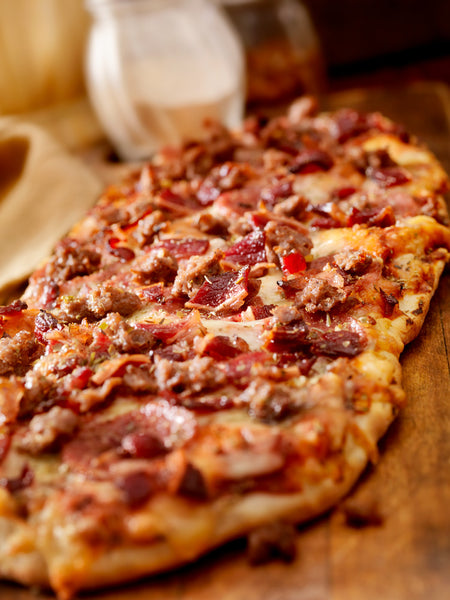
(379,216)
(339,343)
(330,215)
(248,251)
(116,366)
(123,253)
(226,291)
(184,248)
(276,191)
(221,347)
(246,454)
(344,192)
(13,308)
(387,177)
(175,204)
(208,192)
(326,221)
(236,202)
(290,337)
(164,332)
(348,123)
(79,378)
(154,293)
(298,359)
(176,331)
(143,444)
(311,160)
(45,322)
(260,311)
(227,176)
(84,400)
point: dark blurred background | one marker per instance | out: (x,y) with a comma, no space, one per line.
(380,41)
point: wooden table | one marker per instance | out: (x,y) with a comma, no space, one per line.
(407,557)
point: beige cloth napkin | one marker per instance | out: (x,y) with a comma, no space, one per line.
(43,191)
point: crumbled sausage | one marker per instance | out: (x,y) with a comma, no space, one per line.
(193,376)
(322,293)
(72,260)
(269,401)
(125,337)
(157,265)
(355,263)
(18,353)
(293,206)
(191,275)
(101,301)
(148,227)
(282,239)
(139,379)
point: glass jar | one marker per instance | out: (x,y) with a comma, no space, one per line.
(283,52)
(156,69)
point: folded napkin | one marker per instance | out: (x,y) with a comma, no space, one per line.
(44,190)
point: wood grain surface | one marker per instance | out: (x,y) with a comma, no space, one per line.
(407,555)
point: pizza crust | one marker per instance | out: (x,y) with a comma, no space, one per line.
(116,343)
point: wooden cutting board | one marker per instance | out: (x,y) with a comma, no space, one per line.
(407,556)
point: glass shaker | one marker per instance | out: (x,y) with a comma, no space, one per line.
(157,69)
(283,53)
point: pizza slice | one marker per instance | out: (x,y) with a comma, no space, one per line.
(215,347)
